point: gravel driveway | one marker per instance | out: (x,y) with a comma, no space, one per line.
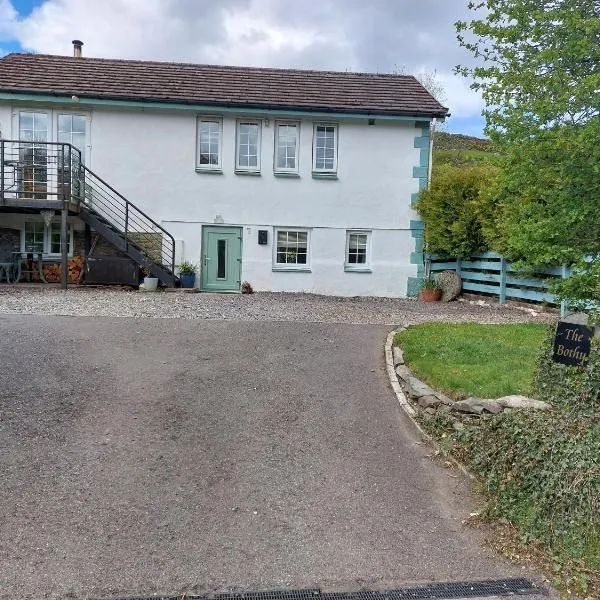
(141,456)
(107,302)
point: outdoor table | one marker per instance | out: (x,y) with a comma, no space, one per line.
(30,257)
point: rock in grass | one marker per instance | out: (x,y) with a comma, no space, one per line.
(403,372)
(476,406)
(523,402)
(416,388)
(398,356)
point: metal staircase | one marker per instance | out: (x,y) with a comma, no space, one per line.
(128,228)
(47,175)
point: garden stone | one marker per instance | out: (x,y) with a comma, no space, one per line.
(523,402)
(491,406)
(429,401)
(444,399)
(470,406)
(451,285)
(416,388)
(398,356)
(477,406)
(403,372)
(430,411)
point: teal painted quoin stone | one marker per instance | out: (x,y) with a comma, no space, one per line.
(420,172)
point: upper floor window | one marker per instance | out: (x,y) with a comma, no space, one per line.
(286,147)
(71,130)
(325,148)
(33,126)
(248,146)
(209,143)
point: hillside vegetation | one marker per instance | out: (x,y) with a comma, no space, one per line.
(457,150)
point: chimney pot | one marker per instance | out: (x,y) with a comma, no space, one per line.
(77,44)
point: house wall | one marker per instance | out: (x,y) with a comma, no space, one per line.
(150,157)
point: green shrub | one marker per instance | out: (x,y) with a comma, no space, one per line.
(453,211)
(542,470)
(572,389)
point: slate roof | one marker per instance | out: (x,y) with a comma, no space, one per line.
(288,89)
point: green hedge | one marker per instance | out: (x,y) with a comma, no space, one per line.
(542,470)
(454,211)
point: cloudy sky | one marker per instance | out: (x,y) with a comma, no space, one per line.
(362,35)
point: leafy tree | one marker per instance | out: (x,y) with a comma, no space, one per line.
(538,70)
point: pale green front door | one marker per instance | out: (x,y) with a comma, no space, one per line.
(221,259)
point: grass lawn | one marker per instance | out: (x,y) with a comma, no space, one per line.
(469,359)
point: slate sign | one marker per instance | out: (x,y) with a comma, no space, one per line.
(572,343)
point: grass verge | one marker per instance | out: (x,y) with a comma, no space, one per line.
(471,359)
(540,471)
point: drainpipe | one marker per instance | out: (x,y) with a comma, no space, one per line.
(77,44)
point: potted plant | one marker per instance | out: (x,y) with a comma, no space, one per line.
(431,291)
(246,288)
(187,274)
(150,282)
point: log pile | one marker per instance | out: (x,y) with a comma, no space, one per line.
(75,268)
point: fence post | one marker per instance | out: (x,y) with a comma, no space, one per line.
(502,298)
(458,261)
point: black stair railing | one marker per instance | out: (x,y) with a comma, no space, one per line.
(39,172)
(137,228)
(52,175)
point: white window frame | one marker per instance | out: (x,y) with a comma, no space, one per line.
(359,267)
(209,119)
(286,170)
(335,151)
(47,238)
(247,169)
(291,266)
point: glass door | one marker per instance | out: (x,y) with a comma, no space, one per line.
(32,175)
(221,259)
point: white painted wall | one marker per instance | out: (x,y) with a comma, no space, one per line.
(150,157)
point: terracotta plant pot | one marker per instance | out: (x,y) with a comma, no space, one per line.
(429,295)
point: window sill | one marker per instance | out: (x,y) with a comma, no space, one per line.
(320,175)
(287,174)
(243,172)
(292,269)
(209,171)
(357,269)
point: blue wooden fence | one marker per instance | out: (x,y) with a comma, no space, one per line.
(490,273)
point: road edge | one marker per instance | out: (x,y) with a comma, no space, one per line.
(409,410)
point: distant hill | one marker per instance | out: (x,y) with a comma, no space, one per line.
(459,141)
(458,149)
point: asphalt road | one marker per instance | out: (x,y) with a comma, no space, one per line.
(142,456)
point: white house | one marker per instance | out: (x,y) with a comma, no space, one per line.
(291,180)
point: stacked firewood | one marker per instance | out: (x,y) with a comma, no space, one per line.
(75,268)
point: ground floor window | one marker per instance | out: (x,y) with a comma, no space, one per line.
(357,250)
(45,239)
(292,248)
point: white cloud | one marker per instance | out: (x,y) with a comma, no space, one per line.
(8,20)
(321,34)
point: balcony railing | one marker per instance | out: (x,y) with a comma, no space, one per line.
(39,174)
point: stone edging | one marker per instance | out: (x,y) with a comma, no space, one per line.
(408,409)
